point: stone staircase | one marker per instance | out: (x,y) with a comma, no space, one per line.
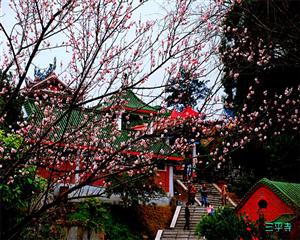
(197,211)
(214,196)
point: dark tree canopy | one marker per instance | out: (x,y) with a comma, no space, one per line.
(260,50)
(261,43)
(185,90)
(13,113)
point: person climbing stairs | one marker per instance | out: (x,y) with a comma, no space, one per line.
(196,213)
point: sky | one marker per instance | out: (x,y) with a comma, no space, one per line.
(43,60)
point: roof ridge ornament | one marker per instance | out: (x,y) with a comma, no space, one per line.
(42,74)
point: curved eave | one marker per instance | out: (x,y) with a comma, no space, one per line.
(137,110)
(280,194)
(159,156)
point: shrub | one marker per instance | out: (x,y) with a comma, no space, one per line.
(116,229)
(90,214)
(226,225)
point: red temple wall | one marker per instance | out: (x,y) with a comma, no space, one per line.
(57,172)
(275,206)
(163,179)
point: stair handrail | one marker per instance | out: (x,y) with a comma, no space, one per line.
(229,199)
(158,234)
(175,217)
(181,184)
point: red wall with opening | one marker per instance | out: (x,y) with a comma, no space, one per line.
(275,206)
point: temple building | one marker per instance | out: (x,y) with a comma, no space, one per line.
(132,115)
(279,204)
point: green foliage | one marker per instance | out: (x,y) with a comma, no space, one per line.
(114,229)
(90,214)
(185,90)
(18,190)
(222,225)
(18,194)
(226,225)
(93,215)
(10,140)
(46,229)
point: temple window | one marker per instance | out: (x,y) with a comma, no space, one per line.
(262,204)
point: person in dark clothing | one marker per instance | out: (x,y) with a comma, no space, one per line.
(203,192)
(187,217)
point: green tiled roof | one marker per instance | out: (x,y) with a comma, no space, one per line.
(75,118)
(285,218)
(287,192)
(133,102)
(157,146)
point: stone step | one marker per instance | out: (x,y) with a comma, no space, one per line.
(197,212)
(178,234)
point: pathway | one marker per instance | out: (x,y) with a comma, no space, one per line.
(177,232)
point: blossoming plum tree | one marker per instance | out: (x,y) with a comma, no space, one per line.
(108,49)
(259,50)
